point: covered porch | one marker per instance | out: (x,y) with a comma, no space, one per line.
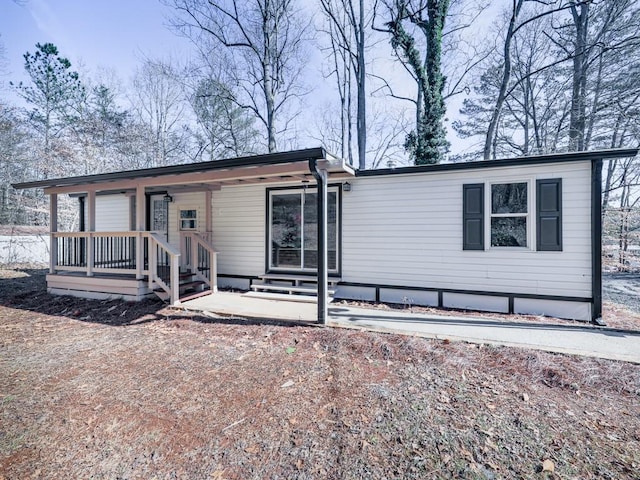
(142,260)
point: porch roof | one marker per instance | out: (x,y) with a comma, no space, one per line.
(282,166)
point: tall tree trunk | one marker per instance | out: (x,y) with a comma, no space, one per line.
(362,113)
(506,74)
(611,168)
(579,82)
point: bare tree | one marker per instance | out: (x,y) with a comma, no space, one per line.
(159,102)
(225,130)
(347,24)
(267,39)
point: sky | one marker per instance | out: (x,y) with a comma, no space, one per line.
(111,34)
(116,35)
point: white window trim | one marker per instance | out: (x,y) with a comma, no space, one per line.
(531,224)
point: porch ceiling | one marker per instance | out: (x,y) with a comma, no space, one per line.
(280,167)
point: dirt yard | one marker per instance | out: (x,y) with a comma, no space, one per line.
(112,390)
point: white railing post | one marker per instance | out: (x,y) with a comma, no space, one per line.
(193,242)
(213,271)
(175,279)
(91,197)
(139,256)
(53,229)
(90,253)
(153,259)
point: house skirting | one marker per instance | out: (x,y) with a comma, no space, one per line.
(98,287)
(574,308)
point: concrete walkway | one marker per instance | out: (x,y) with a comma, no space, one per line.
(573,339)
(570,338)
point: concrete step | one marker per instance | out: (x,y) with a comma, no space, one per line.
(271,287)
(283,297)
(295,279)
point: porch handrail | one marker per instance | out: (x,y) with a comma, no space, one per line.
(202,258)
(164,267)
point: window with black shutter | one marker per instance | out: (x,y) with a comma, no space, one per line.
(473,216)
(549,214)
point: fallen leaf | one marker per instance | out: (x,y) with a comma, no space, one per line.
(490,444)
(548,466)
(253,449)
(288,383)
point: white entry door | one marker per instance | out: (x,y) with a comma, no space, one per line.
(160,215)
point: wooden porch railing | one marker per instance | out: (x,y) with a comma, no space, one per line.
(99,252)
(164,267)
(200,257)
(132,253)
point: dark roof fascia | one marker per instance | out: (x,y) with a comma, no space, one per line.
(506,162)
(224,164)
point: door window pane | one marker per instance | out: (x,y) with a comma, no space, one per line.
(286,216)
(311,230)
(159,217)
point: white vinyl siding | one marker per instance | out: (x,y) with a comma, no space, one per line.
(239,215)
(112,213)
(406,230)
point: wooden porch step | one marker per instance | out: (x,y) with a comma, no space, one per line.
(312,291)
(191,285)
(195,295)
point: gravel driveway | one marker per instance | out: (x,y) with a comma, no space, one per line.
(623,289)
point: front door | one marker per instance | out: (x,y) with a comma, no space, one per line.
(159,215)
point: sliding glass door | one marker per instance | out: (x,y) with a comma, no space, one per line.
(293,224)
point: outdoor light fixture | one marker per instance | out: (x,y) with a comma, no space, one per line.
(346,187)
(167,198)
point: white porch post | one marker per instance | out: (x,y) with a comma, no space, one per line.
(91,217)
(141,224)
(207,215)
(53,228)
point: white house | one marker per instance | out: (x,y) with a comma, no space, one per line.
(518,235)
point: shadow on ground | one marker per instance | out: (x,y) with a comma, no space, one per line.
(25,289)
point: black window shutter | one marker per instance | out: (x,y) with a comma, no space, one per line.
(549,214)
(473,216)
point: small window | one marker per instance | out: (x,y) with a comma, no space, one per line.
(509,215)
(188,219)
